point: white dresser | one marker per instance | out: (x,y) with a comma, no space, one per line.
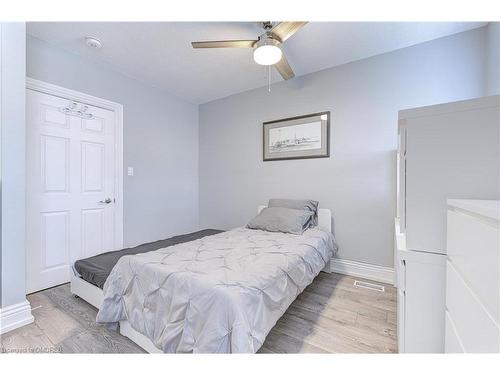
(473,277)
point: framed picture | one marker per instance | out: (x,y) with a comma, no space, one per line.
(300,137)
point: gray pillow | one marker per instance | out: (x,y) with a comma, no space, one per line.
(298,204)
(280,219)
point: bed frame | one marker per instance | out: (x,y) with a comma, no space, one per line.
(94,295)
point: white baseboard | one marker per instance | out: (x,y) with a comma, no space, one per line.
(364,270)
(15,316)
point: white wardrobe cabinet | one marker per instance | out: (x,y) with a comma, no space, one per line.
(444,151)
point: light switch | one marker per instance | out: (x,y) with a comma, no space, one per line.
(130,171)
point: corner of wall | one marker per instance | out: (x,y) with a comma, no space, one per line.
(198,216)
(15,309)
(492,59)
(13,160)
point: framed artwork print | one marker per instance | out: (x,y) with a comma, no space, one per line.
(301,137)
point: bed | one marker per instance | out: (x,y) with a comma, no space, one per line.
(219,292)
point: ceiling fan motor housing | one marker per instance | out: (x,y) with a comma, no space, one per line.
(267,41)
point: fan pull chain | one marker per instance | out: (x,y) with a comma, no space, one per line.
(269,78)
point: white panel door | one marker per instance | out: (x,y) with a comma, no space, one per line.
(70,187)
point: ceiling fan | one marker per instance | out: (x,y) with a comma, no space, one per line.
(266,48)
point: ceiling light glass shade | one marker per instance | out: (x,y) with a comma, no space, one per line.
(267,54)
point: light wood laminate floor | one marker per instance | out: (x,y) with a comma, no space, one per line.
(330,316)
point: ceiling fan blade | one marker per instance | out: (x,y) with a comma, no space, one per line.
(285,30)
(224,44)
(284,68)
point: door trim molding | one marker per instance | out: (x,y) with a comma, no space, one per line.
(62,92)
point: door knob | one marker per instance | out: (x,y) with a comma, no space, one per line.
(106,201)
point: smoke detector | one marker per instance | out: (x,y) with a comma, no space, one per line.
(93,42)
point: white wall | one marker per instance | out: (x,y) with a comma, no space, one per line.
(493,58)
(358,181)
(13,168)
(160,141)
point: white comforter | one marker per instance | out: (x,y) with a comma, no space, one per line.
(221,293)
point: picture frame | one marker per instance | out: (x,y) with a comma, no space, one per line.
(300,137)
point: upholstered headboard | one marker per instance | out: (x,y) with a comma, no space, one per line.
(324,217)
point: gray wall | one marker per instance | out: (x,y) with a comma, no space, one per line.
(13,167)
(358,181)
(493,59)
(160,141)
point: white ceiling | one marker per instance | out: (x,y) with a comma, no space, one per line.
(160,54)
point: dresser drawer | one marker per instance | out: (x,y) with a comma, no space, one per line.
(474,326)
(474,250)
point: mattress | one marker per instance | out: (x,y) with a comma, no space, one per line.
(96,269)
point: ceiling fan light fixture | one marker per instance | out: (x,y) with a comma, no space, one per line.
(267,52)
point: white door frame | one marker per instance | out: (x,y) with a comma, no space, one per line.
(62,92)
